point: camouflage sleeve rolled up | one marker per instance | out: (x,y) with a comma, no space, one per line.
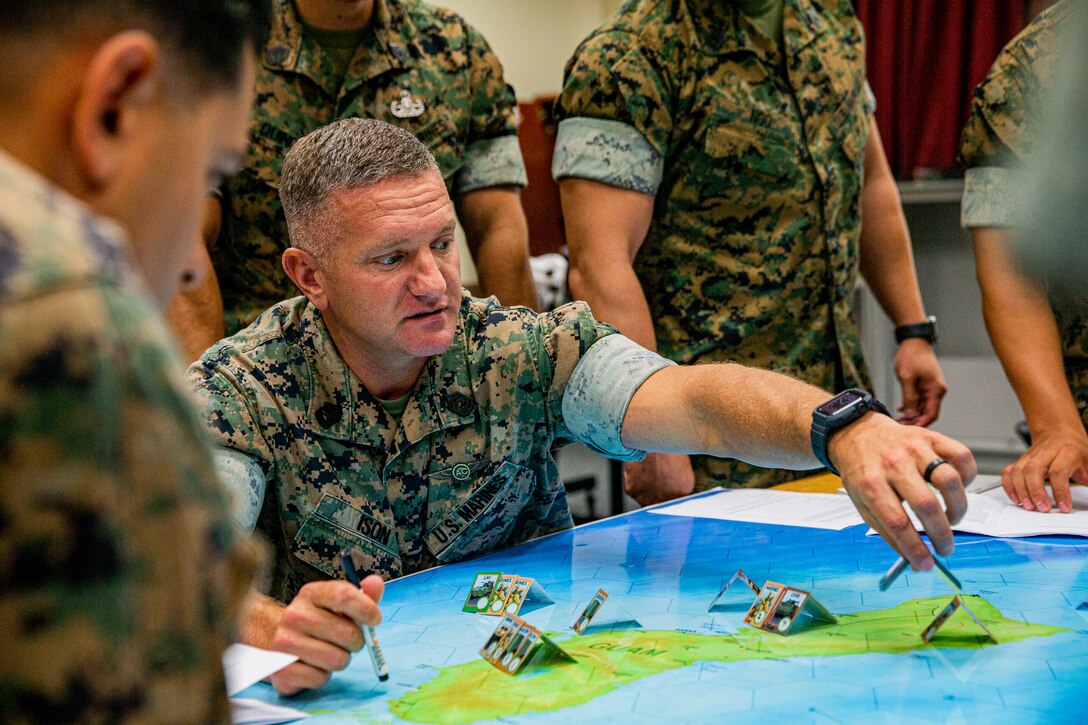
(607,151)
(611,78)
(565,335)
(120,573)
(492,155)
(1005,106)
(1000,131)
(600,390)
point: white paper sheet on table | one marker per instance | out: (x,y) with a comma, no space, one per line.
(244,711)
(992,513)
(760,506)
(244,666)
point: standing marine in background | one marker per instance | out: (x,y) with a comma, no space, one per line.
(404,62)
(1040,334)
(715,160)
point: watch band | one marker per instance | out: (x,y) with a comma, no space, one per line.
(926,330)
(824,425)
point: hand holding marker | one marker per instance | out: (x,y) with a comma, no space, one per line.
(376,656)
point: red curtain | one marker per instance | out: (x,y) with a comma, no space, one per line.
(925,57)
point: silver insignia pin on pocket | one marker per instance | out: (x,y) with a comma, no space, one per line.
(407,106)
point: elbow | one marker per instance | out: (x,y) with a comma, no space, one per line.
(578,282)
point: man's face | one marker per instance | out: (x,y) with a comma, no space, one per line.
(183,153)
(392,277)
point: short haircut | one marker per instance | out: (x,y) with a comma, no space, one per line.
(346,154)
(208,37)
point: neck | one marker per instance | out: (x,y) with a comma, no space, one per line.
(385,377)
(336,14)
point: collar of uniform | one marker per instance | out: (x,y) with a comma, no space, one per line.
(338,406)
(444,396)
(385,48)
(720,32)
(40,227)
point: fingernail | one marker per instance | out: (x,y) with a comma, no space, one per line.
(1064,507)
(1043,506)
(1027,505)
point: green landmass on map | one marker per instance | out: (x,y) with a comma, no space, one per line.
(609,660)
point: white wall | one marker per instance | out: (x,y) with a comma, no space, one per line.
(533,39)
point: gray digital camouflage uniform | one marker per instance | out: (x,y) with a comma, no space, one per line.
(996,143)
(120,570)
(756,161)
(418,67)
(468,469)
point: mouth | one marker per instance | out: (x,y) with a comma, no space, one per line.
(428,314)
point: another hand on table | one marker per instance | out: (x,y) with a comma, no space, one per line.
(923,384)
(659,477)
(1059,457)
(881,463)
(321,626)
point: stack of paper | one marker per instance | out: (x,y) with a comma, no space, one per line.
(993,514)
(761,506)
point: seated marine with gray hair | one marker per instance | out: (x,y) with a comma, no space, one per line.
(387,413)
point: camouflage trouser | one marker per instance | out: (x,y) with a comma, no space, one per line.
(731,473)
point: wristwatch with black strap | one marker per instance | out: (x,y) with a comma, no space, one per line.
(839,412)
(926,330)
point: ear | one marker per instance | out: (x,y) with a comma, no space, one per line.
(304,271)
(118,87)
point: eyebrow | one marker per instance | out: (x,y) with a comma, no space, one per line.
(392,244)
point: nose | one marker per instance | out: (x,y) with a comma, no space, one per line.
(427,280)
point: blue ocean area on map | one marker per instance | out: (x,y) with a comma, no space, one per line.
(665,570)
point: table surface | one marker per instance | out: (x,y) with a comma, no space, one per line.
(685,664)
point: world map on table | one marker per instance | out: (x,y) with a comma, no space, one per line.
(658,655)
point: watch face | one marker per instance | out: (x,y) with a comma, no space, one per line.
(840,402)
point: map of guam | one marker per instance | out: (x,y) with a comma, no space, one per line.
(610,660)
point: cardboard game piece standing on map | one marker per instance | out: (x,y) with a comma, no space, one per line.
(515,643)
(786,609)
(778,607)
(945,614)
(590,611)
(739,576)
(496,604)
(480,594)
(519,588)
(508,594)
(764,603)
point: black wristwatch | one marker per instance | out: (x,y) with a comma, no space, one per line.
(839,412)
(926,330)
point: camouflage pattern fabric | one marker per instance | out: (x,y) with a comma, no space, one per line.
(120,572)
(467,470)
(998,140)
(752,254)
(418,67)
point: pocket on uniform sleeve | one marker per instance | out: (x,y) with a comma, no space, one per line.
(334,526)
(486,517)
